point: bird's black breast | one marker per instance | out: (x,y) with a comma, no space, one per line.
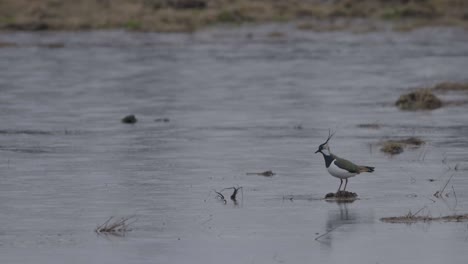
(328,159)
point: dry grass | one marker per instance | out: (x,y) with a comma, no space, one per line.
(422,99)
(189,15)
(450,86)
(413,218)
(115,226)
(394,147)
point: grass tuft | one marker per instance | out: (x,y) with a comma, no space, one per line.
(422,99)
(115,226)
(450,86)
(394,147)
(414,218)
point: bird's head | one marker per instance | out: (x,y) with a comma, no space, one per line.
(324,148)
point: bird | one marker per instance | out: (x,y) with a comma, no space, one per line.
(338,167)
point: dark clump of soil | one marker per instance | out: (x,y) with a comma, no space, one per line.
(422,99)
(394,147)
(130,119)
(450,86)
(341,196)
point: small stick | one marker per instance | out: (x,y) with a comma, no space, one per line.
(455,195)
(233,196)
(326,233)
(418,211)
(220,196)
(446,183)
(100,227)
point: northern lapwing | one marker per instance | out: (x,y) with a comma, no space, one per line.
(338,167)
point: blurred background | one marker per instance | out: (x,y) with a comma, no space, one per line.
(147,109)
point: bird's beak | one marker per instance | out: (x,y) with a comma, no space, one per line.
(318,150)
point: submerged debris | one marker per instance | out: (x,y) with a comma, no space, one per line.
(422,99)
(115,226)
(267,173)
(130,119)
(369,126)
(162,120)
(394,147)
(341,196)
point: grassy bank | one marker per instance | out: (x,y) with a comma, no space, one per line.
(189,15)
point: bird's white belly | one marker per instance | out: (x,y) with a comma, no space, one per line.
(339,172)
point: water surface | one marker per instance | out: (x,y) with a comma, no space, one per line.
(238,101)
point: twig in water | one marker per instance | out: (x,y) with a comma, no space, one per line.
(413,215)
(439,193)
(444,161)
(455,195)
(220,196)
(326,233)
(234,193)
(233,196)
(422,154)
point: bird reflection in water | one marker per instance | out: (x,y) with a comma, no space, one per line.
(337,218)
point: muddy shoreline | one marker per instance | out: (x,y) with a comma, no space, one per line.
(191,15)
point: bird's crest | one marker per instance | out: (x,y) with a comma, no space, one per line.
(330,135)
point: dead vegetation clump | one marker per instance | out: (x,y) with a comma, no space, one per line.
(394,147)
(115,226)
(450,86)
(422,99)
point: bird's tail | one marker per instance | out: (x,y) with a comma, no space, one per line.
(366,169)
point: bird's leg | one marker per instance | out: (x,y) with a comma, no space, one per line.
(340,185)
(346,183)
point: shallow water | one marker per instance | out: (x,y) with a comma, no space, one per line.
(235,99)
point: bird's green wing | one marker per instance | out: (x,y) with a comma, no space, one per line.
(346,165)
